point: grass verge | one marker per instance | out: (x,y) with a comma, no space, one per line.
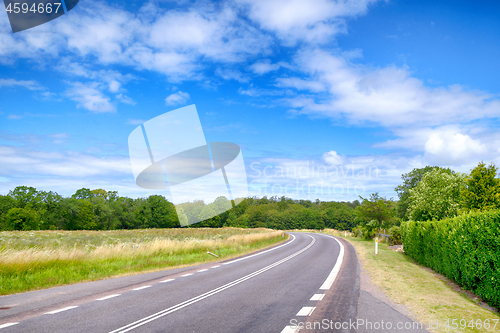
(31,260)
(431,299)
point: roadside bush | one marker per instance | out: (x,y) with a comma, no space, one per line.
(464,248)
(370,229)
(396,236)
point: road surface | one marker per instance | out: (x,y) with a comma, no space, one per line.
(311,281)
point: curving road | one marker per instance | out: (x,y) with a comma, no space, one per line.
(312,280)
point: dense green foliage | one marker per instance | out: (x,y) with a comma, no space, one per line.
(410,181)
(25,208)
(482,189)
(436,196)
(379,209)
(465,248)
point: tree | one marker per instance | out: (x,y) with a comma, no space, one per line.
(162,212)
(436,196)
(410,181)
(83,193)
(22,219)
(482,189)
(25,195)
(85,219)
(377,208)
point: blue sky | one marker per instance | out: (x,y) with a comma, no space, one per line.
(334,98)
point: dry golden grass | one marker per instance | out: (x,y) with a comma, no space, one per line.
(77,259)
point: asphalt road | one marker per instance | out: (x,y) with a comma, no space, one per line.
(311,281)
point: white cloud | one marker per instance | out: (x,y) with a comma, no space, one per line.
(263,67)
(449,148)
(300,84)
(387,96)
(90,97)
(125,99)
(114,86)
(17,161)
(332,158)
(229,74)
(170,42)
(177,98)
(311,21)
(31,85)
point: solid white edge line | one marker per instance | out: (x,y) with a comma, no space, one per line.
(215,266)
(61,310)
(305,311)
(258,254)
(107,297)
(335,271)
(189,274)
(8,324)
(317,297)
(167,280)
(140,288)
(290,329)
(162,313)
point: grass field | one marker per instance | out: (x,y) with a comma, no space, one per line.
(31,260)
(430,298)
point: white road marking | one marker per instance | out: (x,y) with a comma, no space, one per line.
(290,329)
(61,310)
(317,297)
(203,270)
(193,300)
(333,274)
(258,254)
(187,274)
(306,311)
(215,266)
(7,325)
(167,280)
(140,288)
(107,297)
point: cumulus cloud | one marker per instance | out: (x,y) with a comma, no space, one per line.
(310,21)
(89,97)
(332,158)
(263,67)
(449,148)
(177,98)
(170,42)
(387,96)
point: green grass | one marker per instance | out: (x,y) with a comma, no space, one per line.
(427,296)
(33,260)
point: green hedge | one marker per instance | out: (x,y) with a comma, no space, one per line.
(464,248)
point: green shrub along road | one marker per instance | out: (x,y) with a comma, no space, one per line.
(465,248)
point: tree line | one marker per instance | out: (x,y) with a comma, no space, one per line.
(26,208)
(430,193)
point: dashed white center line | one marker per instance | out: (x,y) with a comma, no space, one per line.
(140,288)
(61,310)
(167,280)
(306,311)
(317,297)
(290,329)
(215,266)
(107,297)
(8,324)
(187,274)
(203,270)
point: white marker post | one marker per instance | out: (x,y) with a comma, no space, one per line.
(345,233)
(376,245)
